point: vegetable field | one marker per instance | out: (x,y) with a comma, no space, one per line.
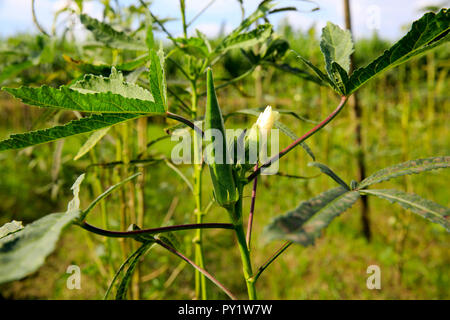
(266,162)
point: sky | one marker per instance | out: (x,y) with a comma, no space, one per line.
(388,18)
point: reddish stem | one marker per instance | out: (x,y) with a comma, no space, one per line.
(300,140)
(131,234)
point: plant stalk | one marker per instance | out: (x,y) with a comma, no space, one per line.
(200,280)
(236,216)
(360,156)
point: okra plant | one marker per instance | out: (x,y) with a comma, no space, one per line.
(132,91)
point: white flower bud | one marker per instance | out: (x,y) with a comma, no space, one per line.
(266,120)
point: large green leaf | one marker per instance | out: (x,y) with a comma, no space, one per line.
(92,94)
(337,46)
(305,223)
(83,125)
(426,33)
(408,167)
(325,169)
(24,251)
(110,37)
(425,208)
(115,83)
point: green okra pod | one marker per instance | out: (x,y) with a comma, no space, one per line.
(221,170)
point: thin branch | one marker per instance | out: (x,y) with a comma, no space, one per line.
(231,81)
(176,64)
(182,176)
(35,20)
(185,121)
(160,24)
(135,233)
(252,210)
(203,271)
(283,152)
(200,13)
(183,106)
(131,162)
(293,176)
(283,248)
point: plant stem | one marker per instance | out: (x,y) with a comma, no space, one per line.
(286,245)
(186,121)
(200,280)
(35,20)
(134,233)
(311,132)
(357,118)
(236,216)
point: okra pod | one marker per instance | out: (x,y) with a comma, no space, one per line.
(221,170)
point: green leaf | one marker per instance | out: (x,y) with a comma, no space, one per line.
(408,167)
(245,40)
(71,99)
(10,227)
(107,193)
(14,69)
(115,83)
(323,168)
(340,78)
(337,46)
(158,78)
(305,223)
(194,46)
(425,208)
(24,251)
(121,293)
(83,125)
(90,143)
(110,37)
(322,77)
(261,11)
(92,94)
(426,33)
(104,69)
